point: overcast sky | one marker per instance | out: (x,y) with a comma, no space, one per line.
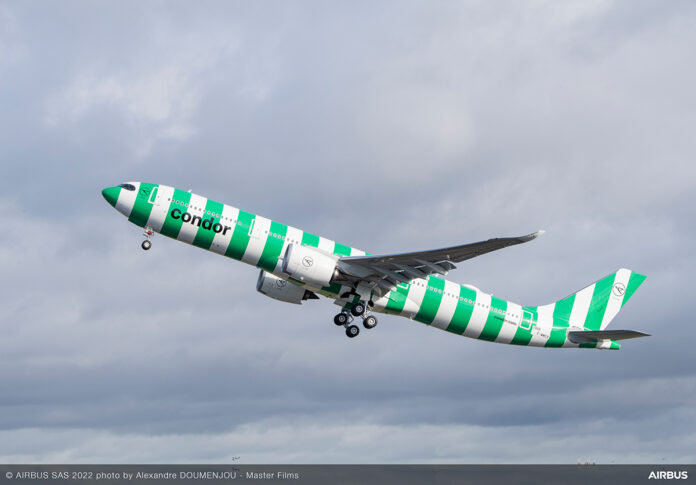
(388,126)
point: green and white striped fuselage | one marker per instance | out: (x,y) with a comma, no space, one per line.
(435,301)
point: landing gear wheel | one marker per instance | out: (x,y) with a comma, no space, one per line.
(146,245)
(352,331)
(341,319)
(370,322)
(358,309)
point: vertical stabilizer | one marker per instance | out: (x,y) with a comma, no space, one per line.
(594,307)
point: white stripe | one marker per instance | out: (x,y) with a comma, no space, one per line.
(615,301)
(545,316)
(293,234)
(326,245)
(259,235)
(126,199)
(381,303)
(414,298)
(160,208)
(581,305)
(513,316)
(448,305)
(479,315)
(229,219)
(357,252)
(544,323)
(196,208)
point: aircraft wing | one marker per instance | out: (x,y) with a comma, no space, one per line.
(385,271)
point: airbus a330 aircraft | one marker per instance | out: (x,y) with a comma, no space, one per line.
(297,266)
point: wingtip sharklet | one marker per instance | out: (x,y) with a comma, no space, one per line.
(533,235)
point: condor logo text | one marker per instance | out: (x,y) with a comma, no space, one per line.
(208,224)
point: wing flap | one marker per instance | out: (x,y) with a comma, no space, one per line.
(453,254)
(387,270)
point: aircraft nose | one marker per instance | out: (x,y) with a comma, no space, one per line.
(111,195)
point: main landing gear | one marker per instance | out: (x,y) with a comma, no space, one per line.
(147,244)
(346,317)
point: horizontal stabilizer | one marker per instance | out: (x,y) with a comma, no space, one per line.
(581,337)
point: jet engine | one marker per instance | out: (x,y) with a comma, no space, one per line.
(270,285)
(310,265)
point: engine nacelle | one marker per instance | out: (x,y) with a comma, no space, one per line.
(309,265)
(270,285)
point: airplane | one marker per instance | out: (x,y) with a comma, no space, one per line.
(296,266)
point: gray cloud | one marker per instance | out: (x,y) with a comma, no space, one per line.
(388,127)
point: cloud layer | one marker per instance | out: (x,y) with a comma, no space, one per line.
(389,127)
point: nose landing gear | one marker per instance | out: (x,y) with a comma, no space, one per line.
(147,244)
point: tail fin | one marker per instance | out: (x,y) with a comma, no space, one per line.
(593,307)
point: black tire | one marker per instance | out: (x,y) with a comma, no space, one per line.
(352,331)
(358,309)
(370,322)
(146,245)
(341,319)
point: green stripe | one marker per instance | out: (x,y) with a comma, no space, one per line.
(341,250)
(561,315)
(111,194)
(333,288)
(462,314)
(142,207)
(562,310)
(431,300)
(557,337)
(310,239)
(598,304)
(588,345)
(523,336)
(204,237)
(633,283)
(397,299)
(273,247)
(494,322)
(240,236)
(171,226)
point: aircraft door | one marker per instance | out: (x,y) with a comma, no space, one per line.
(153,197)
(259,228)
(528,320)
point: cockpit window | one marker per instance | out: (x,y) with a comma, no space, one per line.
(130,187)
